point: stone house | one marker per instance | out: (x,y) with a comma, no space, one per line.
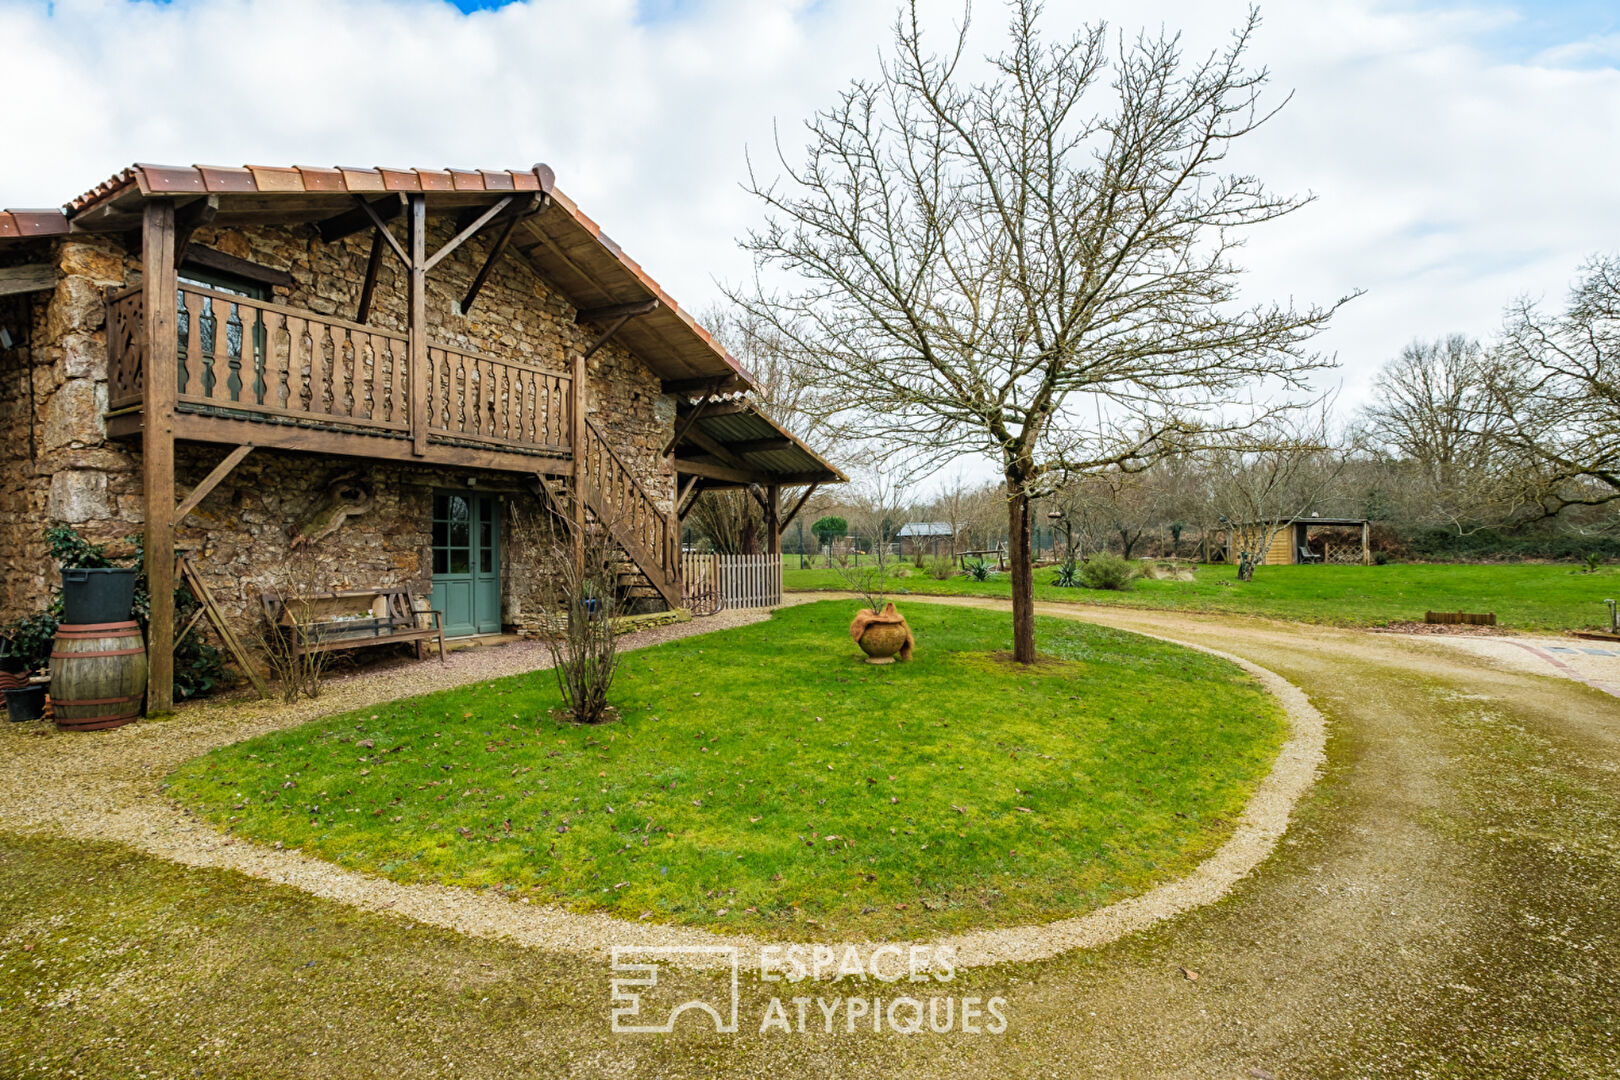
(391,370)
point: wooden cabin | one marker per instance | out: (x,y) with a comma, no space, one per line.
(383,367)
(1304,540)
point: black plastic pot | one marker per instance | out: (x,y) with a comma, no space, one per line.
(25,704)
(97,596)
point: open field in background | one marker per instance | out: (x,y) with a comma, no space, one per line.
(1554,596)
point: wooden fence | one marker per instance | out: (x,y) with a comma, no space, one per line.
(731,582)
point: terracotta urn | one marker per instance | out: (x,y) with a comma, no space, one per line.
(882,635)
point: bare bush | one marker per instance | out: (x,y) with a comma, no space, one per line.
(296,625)
(580,598)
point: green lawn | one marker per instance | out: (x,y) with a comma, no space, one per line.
(764,777)
(1532,597)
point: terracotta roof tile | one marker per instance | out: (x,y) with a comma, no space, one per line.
(181,180)
(362,179)
(22,224)
(321,179)
(222,179)
(276,178)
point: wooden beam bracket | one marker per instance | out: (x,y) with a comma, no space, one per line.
(531,206)
(382,228)
(188,219)
(469,232)
(787,519)
(686,422)
(211,481)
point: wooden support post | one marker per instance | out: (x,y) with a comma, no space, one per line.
(787,518)
(417,326)
(159,285)
(1366,543)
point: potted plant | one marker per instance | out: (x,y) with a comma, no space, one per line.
(877,628)
(95,590)
(25,646)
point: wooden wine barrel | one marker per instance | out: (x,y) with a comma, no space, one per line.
(98,675)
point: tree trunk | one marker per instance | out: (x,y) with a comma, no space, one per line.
(1023,572)
(1126,542)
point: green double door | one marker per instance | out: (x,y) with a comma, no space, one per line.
(467,562)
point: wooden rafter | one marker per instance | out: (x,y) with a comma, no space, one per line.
(610,312)
(687,496)
(352,221)
(715,448)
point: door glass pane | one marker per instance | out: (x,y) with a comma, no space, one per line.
(441,561)
(486,546)
(441,534)
(458,534)
(458,561)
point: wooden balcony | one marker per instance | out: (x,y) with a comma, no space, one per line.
(249,371)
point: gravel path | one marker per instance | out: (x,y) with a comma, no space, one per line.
(106,787)
(1444,903)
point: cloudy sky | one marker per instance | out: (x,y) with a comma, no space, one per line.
(1461,153)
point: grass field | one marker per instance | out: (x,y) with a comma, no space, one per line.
(765,777)
(1531,597)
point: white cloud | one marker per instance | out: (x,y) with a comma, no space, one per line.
(1449,176)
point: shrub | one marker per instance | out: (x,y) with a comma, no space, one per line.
(1068,575)
(1108,571)
(978,570)
(30,637)
(940,568)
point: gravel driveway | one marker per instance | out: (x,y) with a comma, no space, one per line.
(1445,903)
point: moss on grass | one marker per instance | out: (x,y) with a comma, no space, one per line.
(764,777)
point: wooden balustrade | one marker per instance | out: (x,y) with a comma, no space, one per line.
(253,359)
(125,352)
(635,517)
(482,399)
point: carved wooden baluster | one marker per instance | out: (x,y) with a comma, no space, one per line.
(259,343)
(186,324)
(237,341)
(300,357)
(212,329)
(374,403)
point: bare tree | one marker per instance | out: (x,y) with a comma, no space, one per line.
(1263,486)
(877,509)
(1557,393)
(984,265)
(730,519)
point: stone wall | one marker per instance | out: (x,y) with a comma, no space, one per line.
(57,465)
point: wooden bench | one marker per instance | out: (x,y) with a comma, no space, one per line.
(353,619)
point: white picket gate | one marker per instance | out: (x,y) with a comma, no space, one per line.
(731,582)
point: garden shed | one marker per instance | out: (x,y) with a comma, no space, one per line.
(1341,541)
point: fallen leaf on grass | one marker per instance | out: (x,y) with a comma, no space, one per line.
(1189,974)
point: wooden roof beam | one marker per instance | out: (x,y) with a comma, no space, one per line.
(611,312)
(761,446)
(350,222)
(28,278)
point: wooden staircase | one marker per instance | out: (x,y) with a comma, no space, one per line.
(616,502)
